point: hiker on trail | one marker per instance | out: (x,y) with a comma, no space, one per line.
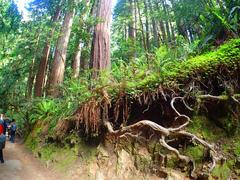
(5,125)
(1,119)
(13,128)
(2,140)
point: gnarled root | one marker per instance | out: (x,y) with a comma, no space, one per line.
(137,130)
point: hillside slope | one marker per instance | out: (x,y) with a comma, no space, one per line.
(184,118)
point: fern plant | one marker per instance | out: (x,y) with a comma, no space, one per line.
(43,110)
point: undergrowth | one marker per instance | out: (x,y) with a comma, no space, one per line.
(137,79)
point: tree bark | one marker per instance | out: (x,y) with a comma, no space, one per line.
(78,48)
(58,67)
(100,52)
(142,28)
(154,25)
(132,30)
(40,78)
(166,21)
(32,74)
(161,25)
(147,26)
(76,61)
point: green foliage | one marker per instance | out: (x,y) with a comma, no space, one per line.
(195,152)
(236,145)
(32,143)
(43,110)
(61,158)
(203,128)
(141,77)
(221,171)
(10,17)
(132,73)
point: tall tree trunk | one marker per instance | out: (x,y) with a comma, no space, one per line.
(84,63)
(161,26)
(135,19)
(132,30)
(166,21)
(76,61)
(131,24)
(142,28)
(58,67)
(40,78)
(101,39)
(32,75)
(142,31)
(154,25)
(173,32)
(147,26)
(77,55)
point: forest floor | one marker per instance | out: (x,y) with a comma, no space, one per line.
(20,164)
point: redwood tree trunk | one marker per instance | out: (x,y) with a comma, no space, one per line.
(154,25)
(142,29)
(32,74)
(166,22)
(40,78)
(76,61)
(161,26)
(131,25)
(101,40)
(147,26)
(58,67)
(132,30)
(78,47)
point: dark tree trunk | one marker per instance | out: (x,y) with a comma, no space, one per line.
(154,26)
(131,25)
(132,30)
(40,78)
(147,26)
(142,28)
(161,26)
(166,21)
(32,74)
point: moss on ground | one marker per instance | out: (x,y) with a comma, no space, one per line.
(196,153)
(205,128)
(60,157)
(221,172)
(228,54)
(228,146)
(31,142)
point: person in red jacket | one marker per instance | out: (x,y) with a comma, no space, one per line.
(1,128)
(1,150)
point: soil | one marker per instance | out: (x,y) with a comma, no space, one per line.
(20,164)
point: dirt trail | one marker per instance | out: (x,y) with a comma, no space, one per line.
(21,165)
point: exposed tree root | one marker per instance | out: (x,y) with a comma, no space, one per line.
(220,98)
(136,130)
